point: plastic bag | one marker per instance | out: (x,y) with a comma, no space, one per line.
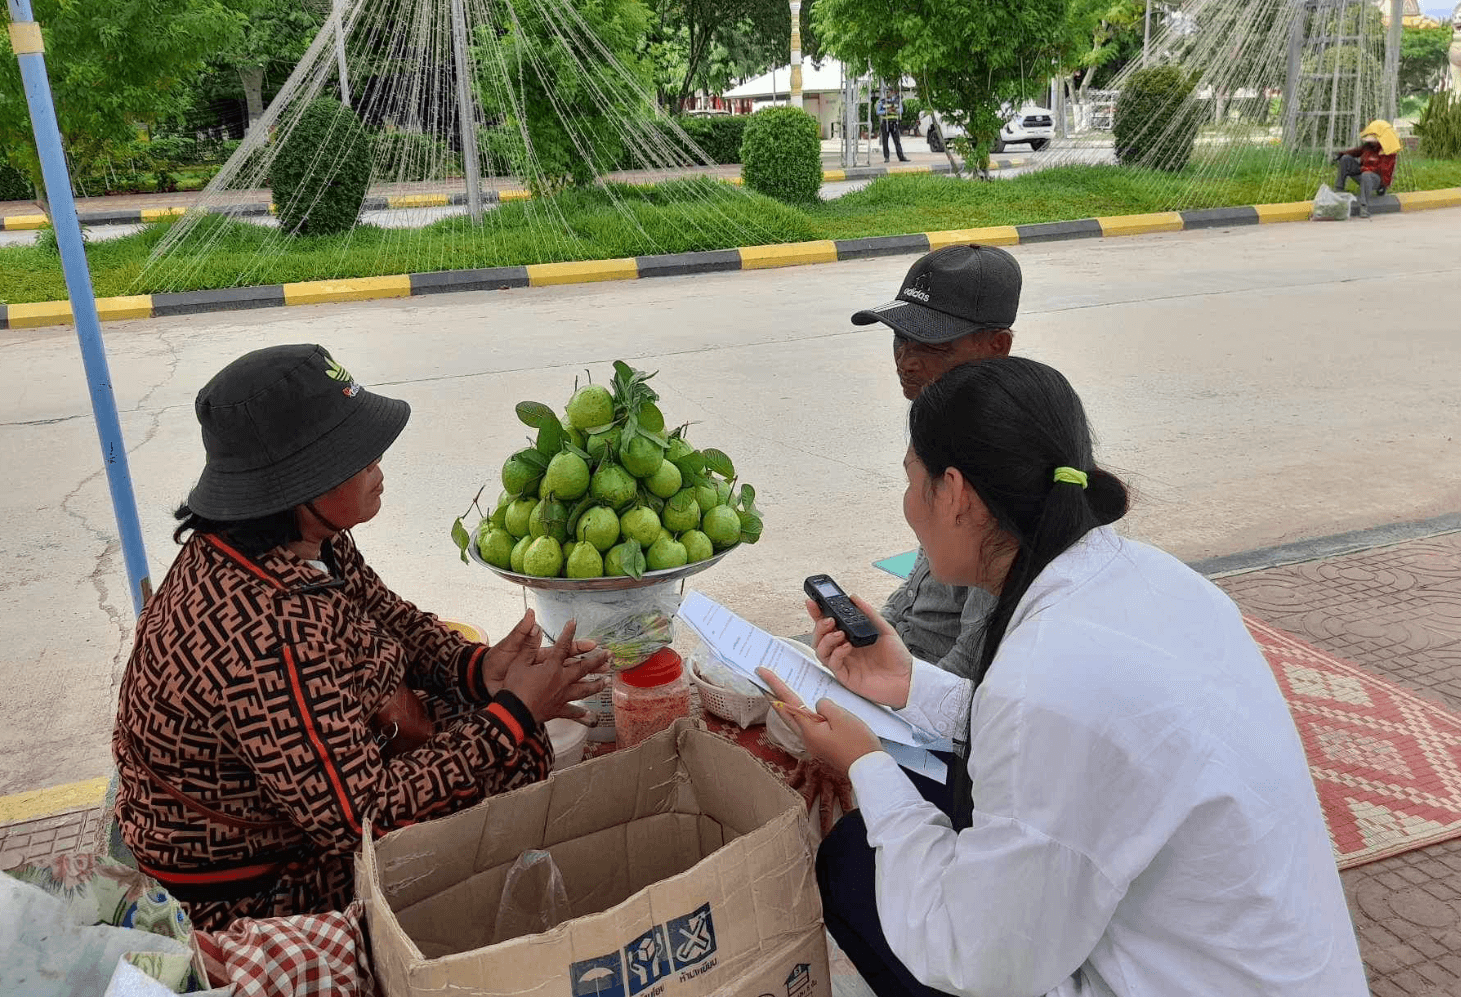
(631,624)
(1330,206)
(534,898)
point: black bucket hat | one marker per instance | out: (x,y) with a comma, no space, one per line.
(283,425)
(952,292)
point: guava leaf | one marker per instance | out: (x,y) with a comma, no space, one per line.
(633,559)
(654,502)
(747,498)
(651,418)
(691,464)
(630,430)
(750,526)
(538,461)
(535,414)
(571,448)
(499,515)
(654,438)
(550,437)
(460,537)
(554,514)
(576,513)
(718,462)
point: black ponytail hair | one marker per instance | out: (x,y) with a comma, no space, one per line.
(1006,424)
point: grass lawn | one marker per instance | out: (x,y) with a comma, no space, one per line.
(680,216)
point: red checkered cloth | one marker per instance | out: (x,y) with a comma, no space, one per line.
(311,955)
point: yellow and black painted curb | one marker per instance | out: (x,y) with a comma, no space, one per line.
(142,216)
(45,313)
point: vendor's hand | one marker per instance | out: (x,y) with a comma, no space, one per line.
(832,735)
(822,789)
(549,683)
(522,645)
(882,671)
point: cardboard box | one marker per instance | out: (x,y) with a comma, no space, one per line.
(688,868)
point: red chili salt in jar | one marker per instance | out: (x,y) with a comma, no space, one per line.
(649,697)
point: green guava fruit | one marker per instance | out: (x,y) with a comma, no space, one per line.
(666,552)
(518,476)
(590,407)
(697,546)
(567,476)
(544,558)
(495,546)
(585,562)
(549,519)
(642,457)
(614,560)
(665,481)
(682,512)
(612,486)
(706,497)
(640,523)
(519,551)
(600,527)
(518,514)
(722,526)
(607,440)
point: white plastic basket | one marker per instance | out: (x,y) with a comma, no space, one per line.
(739,709)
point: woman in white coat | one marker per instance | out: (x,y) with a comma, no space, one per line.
(1135,816)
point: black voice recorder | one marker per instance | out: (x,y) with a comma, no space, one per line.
(850,620)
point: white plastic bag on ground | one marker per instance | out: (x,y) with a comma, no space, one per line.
(1330,206)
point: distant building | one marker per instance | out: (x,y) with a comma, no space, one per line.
(1411,15)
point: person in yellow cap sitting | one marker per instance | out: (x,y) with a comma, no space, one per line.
(1371,163)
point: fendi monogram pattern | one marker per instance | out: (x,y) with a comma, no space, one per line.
(244,747)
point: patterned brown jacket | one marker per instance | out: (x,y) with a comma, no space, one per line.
(247,763)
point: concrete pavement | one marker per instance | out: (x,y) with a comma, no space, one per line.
(1252,390)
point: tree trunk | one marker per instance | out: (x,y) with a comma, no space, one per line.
(252,78)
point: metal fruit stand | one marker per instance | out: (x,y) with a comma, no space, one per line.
(559,600)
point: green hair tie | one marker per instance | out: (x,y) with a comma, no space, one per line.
(1070,476)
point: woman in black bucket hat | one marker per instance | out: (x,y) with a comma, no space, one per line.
(279,696)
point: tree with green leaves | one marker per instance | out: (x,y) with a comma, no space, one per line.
(114,65)
(1423,59)
(1099,37)
(554,88)
(704,44)
(275,34)
(970,58)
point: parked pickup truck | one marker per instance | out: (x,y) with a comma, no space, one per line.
(1033,126)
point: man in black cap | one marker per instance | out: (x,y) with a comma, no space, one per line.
(956,306)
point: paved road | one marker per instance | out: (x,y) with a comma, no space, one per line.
(1252,386)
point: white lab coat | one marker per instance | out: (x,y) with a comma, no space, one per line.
(1144,821)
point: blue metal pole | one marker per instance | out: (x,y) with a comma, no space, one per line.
(25,41)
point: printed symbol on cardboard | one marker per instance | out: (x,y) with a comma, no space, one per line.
(647,959)
(799,983)
(598,977)
(692,937)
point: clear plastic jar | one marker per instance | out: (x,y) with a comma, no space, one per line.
(649,697)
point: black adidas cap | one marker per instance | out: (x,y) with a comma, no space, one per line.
(952,292)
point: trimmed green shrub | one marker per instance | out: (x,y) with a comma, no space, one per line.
(1439,127)
(13,184)
(322,170)
(1156,122)
(719,135)
(781,155)
(414,156)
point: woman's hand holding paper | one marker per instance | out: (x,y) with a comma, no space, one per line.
(831,734)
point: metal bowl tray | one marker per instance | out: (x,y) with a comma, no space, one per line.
(616,583)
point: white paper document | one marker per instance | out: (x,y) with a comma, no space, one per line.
(746,647)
